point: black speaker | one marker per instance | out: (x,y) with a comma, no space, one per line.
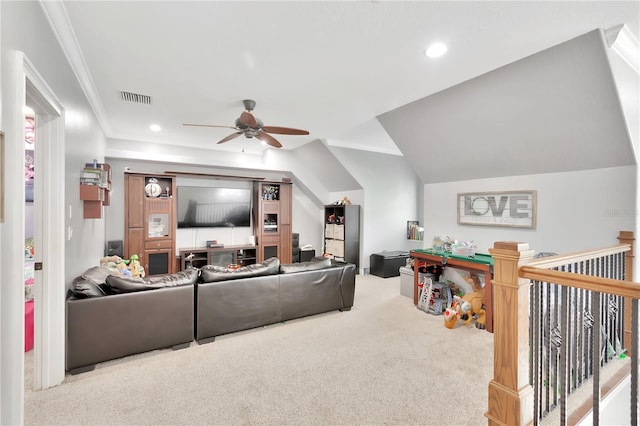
(114,248)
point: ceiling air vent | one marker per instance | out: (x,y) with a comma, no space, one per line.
(136,98)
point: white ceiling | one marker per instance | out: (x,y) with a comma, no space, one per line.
(327,67)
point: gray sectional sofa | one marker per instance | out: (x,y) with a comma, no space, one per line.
(298,290)
(110,316)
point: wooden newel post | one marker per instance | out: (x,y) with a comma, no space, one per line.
(510,399)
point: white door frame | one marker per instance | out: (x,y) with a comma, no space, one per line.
(50,290)
(22,82)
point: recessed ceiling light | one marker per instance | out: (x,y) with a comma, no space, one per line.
(436,50)
(155,128)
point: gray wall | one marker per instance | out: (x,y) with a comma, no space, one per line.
(25,28)
(389,200)
(575,210)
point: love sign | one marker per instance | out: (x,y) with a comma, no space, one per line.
(512,209)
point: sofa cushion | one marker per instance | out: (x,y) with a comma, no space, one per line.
(213,273)
(122,284)
(311,265)
(90,283)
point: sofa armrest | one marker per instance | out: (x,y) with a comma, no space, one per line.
(348,286)
(105,328)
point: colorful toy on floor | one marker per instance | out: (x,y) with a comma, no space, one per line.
(468,307)
(471,307)
(450,317)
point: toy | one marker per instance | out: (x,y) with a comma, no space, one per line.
(110,261)
(344,202)
(471,306)
(116,264)
(451,316)
(468,307)
(137,271)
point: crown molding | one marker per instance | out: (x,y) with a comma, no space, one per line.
(625,44)
(56,14)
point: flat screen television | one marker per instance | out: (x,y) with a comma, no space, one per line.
(208,207)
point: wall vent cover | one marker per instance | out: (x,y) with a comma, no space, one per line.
(135,98)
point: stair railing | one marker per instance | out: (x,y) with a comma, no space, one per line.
(564,309)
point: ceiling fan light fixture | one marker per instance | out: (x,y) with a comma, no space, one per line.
(435,50)
(251,127)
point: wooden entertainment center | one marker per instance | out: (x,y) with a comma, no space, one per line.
(151,225)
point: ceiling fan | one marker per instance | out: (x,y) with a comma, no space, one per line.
(252,127)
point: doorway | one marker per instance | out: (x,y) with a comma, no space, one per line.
(49,244)
(29,234)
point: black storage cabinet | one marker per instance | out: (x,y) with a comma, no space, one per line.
(387,264)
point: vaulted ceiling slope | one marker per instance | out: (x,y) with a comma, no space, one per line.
(329,67)
(556,110)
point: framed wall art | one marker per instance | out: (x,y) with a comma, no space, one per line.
(515,209)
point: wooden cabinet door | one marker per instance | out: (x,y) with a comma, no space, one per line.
(135,243)
(286,247)
(158,223)
(134,201)
(285,204)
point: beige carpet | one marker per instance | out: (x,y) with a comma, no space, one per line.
(383,363)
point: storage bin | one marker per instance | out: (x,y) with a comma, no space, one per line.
(406,281)
(387,264)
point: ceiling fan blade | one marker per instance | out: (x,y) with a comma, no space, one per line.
(247,119)
(269,139)
(284,130)
(231,136)
(208,125)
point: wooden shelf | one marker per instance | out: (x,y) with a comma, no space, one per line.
(97,194)
(342,232)
(242,255)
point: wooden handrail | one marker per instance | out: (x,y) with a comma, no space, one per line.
(510,395)
(581,256)
(586,282)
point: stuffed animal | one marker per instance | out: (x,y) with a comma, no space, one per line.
(468,307)
(472,307)
(123,269)
(105,261)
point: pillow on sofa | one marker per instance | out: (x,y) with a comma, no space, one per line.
(213,273)
(311,265)
(90,283)
(122,284)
